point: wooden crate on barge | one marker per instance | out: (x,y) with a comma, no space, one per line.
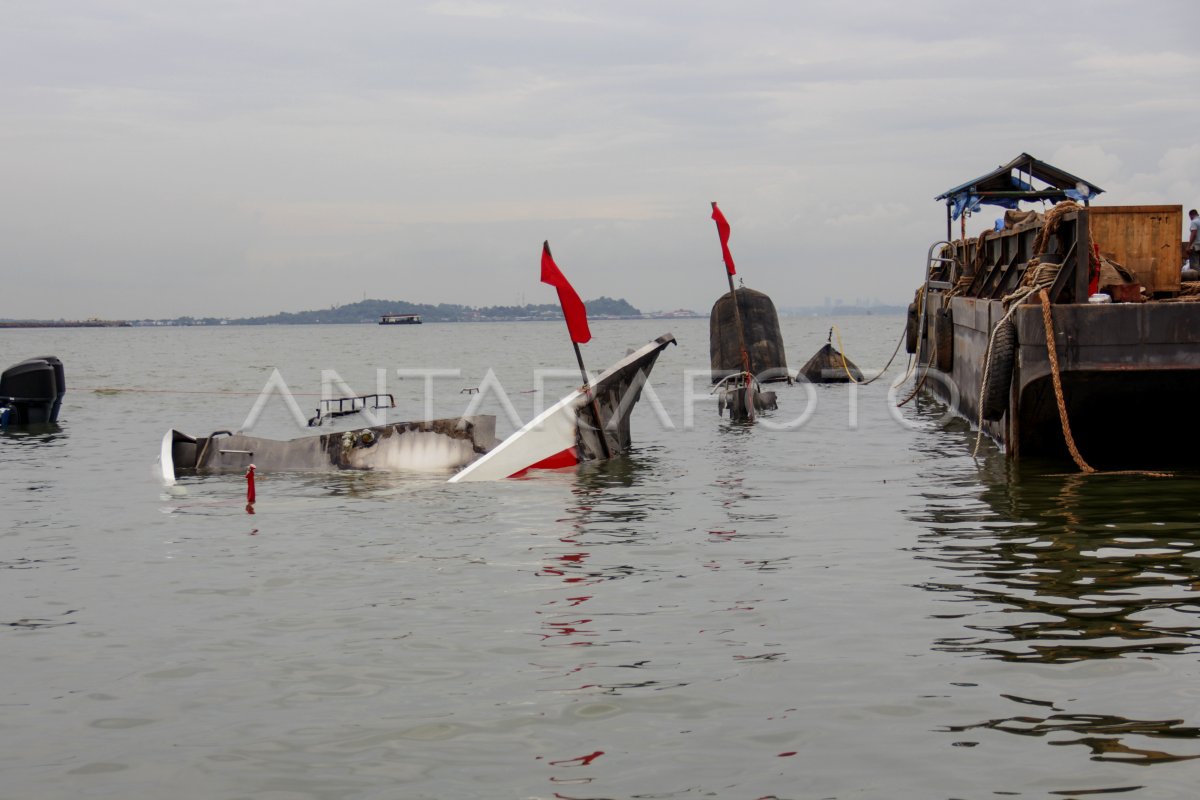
(1144,240)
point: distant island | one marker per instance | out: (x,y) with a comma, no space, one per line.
(369,311)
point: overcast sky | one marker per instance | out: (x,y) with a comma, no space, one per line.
(244,158)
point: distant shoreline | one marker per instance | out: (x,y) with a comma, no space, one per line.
(88,323)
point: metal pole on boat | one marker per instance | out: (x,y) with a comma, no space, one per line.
(587,389)
(723,232)
(737,319)
(575,314)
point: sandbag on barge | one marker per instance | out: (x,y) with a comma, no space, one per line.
(1032,331)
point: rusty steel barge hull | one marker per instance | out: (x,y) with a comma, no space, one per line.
(1129,372)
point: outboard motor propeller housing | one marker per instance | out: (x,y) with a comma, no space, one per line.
(32,391)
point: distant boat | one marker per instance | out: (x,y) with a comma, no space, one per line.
(400,319)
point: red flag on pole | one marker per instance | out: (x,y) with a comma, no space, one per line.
(572,306)
(723,232)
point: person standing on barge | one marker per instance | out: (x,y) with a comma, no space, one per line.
(1193,247)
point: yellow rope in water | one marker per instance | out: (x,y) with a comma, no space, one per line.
(846,367)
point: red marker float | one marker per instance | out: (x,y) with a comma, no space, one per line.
(250,484)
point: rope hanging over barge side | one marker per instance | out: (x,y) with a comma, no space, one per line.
(1052,354)
(1039,278)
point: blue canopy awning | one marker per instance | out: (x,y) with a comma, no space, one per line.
(1006,186)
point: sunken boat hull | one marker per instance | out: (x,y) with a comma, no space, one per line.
(568,433)
(428,445)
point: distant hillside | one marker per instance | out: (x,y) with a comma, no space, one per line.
(372,310)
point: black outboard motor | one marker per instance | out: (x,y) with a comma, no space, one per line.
(32,391)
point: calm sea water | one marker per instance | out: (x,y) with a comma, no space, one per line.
(836,602)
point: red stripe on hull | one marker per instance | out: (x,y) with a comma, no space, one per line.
(566,458)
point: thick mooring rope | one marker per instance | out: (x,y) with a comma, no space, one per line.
(1050,225)
(1052,354)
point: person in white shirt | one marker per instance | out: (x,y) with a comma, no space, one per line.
(1193,247)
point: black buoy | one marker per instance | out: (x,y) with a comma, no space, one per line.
(760,325)
(829,365)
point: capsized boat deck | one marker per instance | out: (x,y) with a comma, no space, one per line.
(566,434)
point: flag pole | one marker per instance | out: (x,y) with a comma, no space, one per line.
(737,318)
(587,383)
(587,390)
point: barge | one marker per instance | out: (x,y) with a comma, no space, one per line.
(1063,334)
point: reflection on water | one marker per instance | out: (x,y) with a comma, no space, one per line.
(33,624)
(1056,569)
(1071,567)
(47,433)
(629,469)
(1101,733)
(592,651)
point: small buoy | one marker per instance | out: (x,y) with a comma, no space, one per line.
(250,484)
(828,365)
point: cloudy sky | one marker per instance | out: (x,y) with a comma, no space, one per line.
(243,158)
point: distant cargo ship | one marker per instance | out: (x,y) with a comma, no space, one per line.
(400,319)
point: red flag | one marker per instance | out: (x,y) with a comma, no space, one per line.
(723,232)
(572,306)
